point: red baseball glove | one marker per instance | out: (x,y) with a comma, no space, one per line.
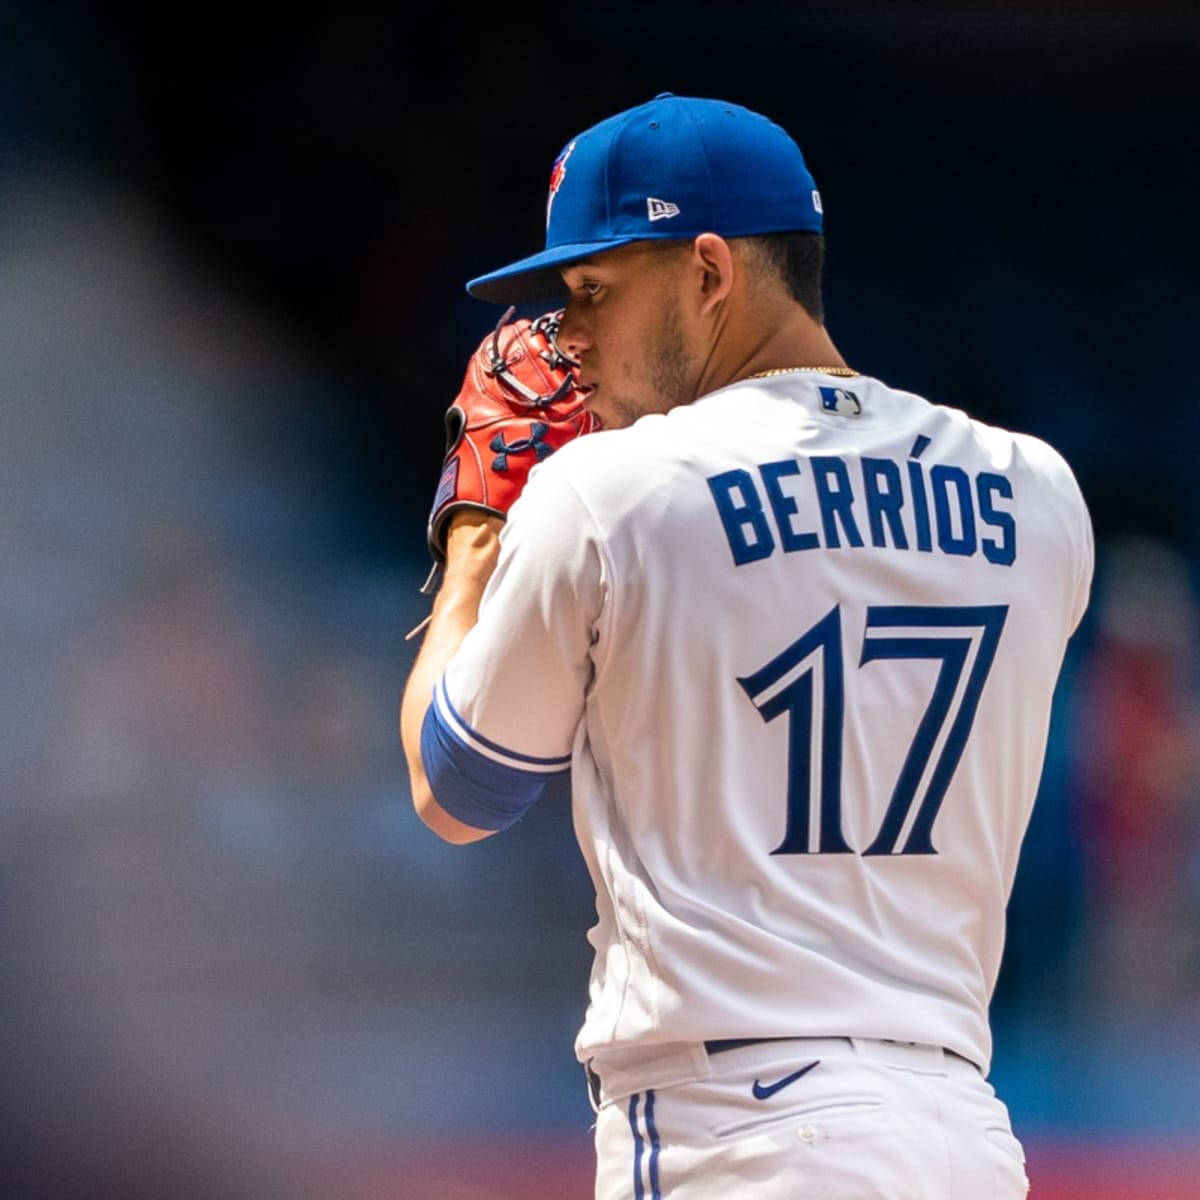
(518,404)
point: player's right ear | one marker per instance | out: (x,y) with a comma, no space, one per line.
(712,260)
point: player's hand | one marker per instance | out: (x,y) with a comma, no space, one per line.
(518,404)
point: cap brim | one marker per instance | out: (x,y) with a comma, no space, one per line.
(536,277)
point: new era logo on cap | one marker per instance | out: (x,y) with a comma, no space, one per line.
(658,210)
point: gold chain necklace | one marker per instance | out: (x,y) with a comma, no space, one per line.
(847,371)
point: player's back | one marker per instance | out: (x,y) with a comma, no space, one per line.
(836,614)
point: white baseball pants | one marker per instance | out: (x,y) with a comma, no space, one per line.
(872,1120)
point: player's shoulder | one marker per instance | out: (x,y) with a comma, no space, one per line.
(1011,451)
(619,476)
(614,459)
(1036,457)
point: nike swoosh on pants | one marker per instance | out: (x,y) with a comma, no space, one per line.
(766,1091)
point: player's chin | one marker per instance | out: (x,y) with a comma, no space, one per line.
(601,419)
(612,413)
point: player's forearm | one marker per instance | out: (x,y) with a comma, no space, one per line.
(471,552)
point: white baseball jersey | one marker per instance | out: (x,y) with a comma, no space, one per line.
(795,644)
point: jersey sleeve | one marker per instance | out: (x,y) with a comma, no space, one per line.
(1086,566)
(1066,510)
(1079,524)
(500,730)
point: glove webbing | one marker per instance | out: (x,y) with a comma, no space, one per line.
(558,359)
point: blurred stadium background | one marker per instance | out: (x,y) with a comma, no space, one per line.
(232,252)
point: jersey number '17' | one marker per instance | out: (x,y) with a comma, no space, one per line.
(963,639)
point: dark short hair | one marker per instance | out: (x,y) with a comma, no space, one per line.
(799,260)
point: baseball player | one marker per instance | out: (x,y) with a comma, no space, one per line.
(789,633)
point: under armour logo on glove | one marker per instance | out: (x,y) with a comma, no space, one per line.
(535,442)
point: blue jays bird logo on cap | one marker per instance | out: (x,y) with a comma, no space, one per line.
(558,173)
(840,401)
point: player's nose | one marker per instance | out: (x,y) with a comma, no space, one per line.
(573,335)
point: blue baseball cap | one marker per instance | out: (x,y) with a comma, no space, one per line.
(673,168)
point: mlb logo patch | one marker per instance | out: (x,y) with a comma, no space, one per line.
(839,400)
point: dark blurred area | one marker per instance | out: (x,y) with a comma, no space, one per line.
(233,249)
